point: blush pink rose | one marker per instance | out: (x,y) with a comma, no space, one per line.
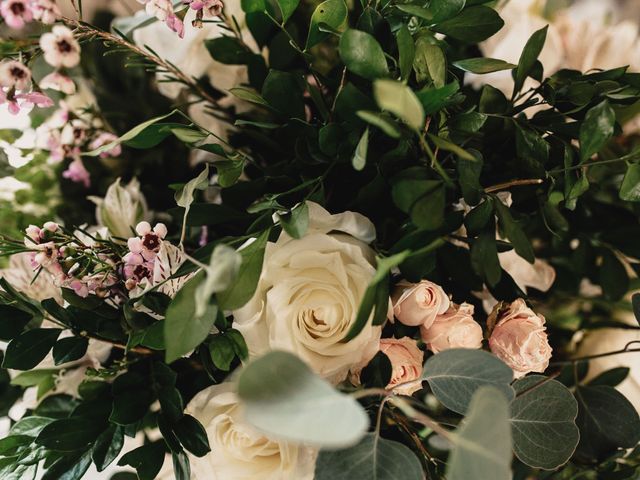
(519,338)
(455,329)
(420,304)
(406,362)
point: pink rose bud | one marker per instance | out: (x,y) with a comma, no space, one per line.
(519,338)
(420,304)
(455,329)
(406,361)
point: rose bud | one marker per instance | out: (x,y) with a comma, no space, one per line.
(420,304)
(455,329)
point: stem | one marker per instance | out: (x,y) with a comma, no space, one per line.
(632,156)
(90,31)
(412,413)
(513,183)
(626,349)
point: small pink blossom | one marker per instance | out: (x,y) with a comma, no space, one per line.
(103,139)
(74,133)
(212,8)
(76,172)
(176,24)
(14,74)
(58,82)
(16,13)
(46,11)
(33,232)
(60,48)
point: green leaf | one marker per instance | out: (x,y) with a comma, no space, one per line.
(107,447)
(69,349)
(248,94)
(635,302)
(130,403)
(607,421)
(295,222)
(613,276)
(454,376)
(69,467)
(282,91)
(514,232)
(30,348)
(359,159)
(376,459)
(30,426)
(469,178)
(484,257)
(130,135)
(222,352)
(406,51)
(219,275)
(181,466)
(612,377)
(183,330)
(69,434)
(383,121)
(477,219)
(528,58)
(596,130)
(12,321)
(377,373)
(472,25)
(287,7)
(146,460)
(400,100)
(192,435)
(482,65)
(331,13)
(362,54)
(543,422)
(430,63)
(189,135)
(228,50)
(239,345)
(416,11)
(368,302)
(298,406)
(241,291)
(630,188)
(435,99)
(482,444)
(444,9)
(451,147)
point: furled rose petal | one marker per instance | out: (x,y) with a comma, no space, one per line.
(309,293)
(420,303)
(519,338)
(454,329)
(238,451)
(406,362)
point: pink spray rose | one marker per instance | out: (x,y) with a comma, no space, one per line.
(406,361)
(455,329)
(519,338)
(420,304)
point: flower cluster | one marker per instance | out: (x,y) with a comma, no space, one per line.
(18,13)
(16,88)
(61,50)
(517,334)
(139,262)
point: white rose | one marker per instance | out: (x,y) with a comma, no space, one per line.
(239,452)
(309,294)
(122,208)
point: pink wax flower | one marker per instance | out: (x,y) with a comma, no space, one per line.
(59,82)
(212,8)
(103,139)
(16,13)
(14,74)
(76,172)
(46,11)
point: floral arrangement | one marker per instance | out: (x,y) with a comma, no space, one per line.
(294,239)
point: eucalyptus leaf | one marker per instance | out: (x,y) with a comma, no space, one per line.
(543,425)
(282,397)
(482,444)
(454,376)
(371,459)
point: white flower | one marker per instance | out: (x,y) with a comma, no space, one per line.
(239,452)
(21,273)
(59,82)
(122,208)
(14,74)
(60,48)
(309,294)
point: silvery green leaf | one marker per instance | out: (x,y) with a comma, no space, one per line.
(283,398)
(454,376)
(482,444)
(221,271)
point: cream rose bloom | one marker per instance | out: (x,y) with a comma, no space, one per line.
(519,338)
(420,303)
(239,452)
(309,293)
(406,362)
(455,329)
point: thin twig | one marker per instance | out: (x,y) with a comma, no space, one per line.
(514,183)
(626,349)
